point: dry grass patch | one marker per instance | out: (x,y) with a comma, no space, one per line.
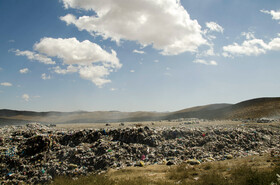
(257,170)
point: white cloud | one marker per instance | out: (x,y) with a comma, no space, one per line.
(73,51)
(69,69)
(137,51)
(11,41)
(207,52)
(35,56)
(87,58)
(113,89)
(24,70)
(248,35)
(210,37)
(44,76)
(96,74)
(275,14)
(251,47)
(156,61)
(248,48)
(164,24)
(132,71)
(7,84)
(25,97)
(274,44)
(212,26)
(201,61)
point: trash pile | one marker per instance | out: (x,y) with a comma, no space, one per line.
(37,153)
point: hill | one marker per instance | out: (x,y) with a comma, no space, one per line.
(255,108)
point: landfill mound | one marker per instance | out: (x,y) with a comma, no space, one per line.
(36,153)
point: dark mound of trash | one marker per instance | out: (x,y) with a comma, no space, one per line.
(37,153)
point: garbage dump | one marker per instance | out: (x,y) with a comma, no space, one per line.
(37,153)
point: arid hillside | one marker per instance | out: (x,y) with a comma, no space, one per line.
(255,108)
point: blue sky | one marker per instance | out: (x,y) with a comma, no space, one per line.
(130,55)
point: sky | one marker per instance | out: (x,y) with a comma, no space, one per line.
(137,55)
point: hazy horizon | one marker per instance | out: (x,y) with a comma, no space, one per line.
(135,55)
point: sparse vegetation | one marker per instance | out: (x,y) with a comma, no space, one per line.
(232,172)
(91,179)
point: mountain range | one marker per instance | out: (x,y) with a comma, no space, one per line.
(250,109)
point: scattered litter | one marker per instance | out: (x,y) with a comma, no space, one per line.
(36,153)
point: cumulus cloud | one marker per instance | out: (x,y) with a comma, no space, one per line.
(96,74)
(25,97)
(138,51)
(44,76)
(35,56)
(132,71)
(7,84)
(92,62)
(248,47)
(209,50)
(69,69)
(156,61)
(251,47)
(72,51)
(164,24)
(275,14)
(212,26)
(86,58)
(201,61)
(24,70)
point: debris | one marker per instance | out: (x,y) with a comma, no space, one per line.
(36,153)
(169,163)
(193,162)
(229,156)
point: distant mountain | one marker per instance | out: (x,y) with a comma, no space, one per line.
(204,108)
(255,108)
